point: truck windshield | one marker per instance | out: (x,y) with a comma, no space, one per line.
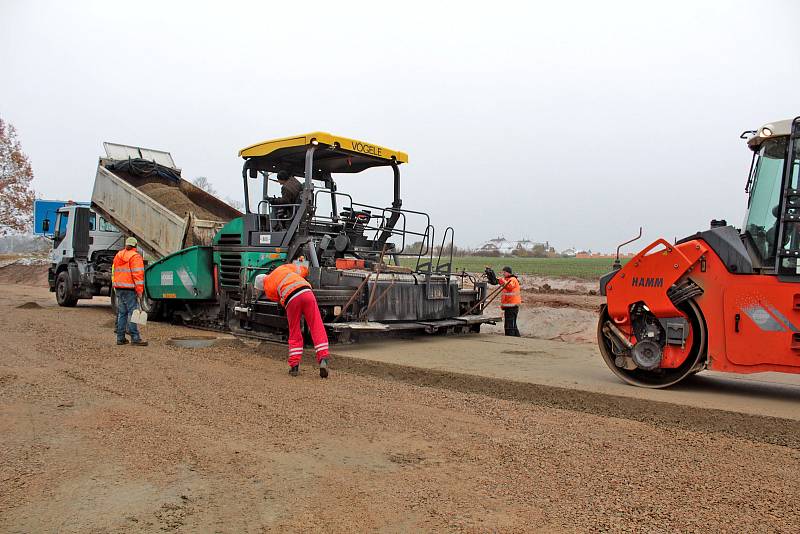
(761,224)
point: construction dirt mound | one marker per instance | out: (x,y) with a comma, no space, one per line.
(29,306)
(557,324)
(172,198)
(558,285)
(26,275)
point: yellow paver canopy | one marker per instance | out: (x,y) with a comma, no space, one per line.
(334,154)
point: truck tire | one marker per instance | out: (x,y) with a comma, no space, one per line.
(152,308)
(65,293)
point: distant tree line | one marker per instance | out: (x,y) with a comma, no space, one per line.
(537,251)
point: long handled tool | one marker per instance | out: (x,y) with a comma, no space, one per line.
(377,300)
(377,275)
(353,298)
(487,299)
(361,287)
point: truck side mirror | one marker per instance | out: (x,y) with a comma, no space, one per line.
(253,173)
(45,225)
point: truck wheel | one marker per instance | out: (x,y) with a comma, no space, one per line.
(152,308)
(65,293)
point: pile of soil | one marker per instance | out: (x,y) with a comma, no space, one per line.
(175,200)
(29,306)
(558,285)
(180,197)
(27,275)
(556,324)
(549,290)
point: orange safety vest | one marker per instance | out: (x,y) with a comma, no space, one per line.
(284,281)
(511,295)
(127,271)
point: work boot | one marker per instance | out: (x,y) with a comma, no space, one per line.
(139,343)
(295,370)
(323,368)
(122,342)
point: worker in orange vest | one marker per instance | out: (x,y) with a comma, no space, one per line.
(287,285)
(127,278)
(510,298)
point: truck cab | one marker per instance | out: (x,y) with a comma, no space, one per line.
(84,246)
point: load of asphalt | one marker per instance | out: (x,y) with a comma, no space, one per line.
(172,198)
(181,197)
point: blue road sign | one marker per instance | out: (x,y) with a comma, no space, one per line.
(46,209)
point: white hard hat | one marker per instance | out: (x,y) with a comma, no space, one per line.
(259,281)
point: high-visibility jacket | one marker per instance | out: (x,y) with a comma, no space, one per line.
(511,295)
(285,280)
(127,271)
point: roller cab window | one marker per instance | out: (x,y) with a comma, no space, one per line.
(761,223)
(790,239)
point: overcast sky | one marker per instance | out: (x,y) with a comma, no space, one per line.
(573,122)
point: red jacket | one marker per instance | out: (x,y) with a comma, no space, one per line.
(285,280)
(127,271)
(512,295)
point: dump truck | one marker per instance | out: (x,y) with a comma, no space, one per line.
(725,299)
(373,269)
(84,245)
(139,192)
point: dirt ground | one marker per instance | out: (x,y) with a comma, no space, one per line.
(100,438)
(556,309)
(16,271)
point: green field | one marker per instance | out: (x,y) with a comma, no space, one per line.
(588,269)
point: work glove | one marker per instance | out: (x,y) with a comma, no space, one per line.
(490,276)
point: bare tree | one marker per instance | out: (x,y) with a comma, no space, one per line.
(235,204)
(16,174)
(203,183)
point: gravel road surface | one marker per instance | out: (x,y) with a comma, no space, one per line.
(100,438)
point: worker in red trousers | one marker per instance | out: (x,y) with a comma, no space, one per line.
(287,285)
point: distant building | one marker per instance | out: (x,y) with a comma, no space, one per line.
(525,244)
(498,245)
(503,246)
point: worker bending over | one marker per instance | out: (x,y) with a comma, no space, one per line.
(510,298)
(288,285)
(127,277)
